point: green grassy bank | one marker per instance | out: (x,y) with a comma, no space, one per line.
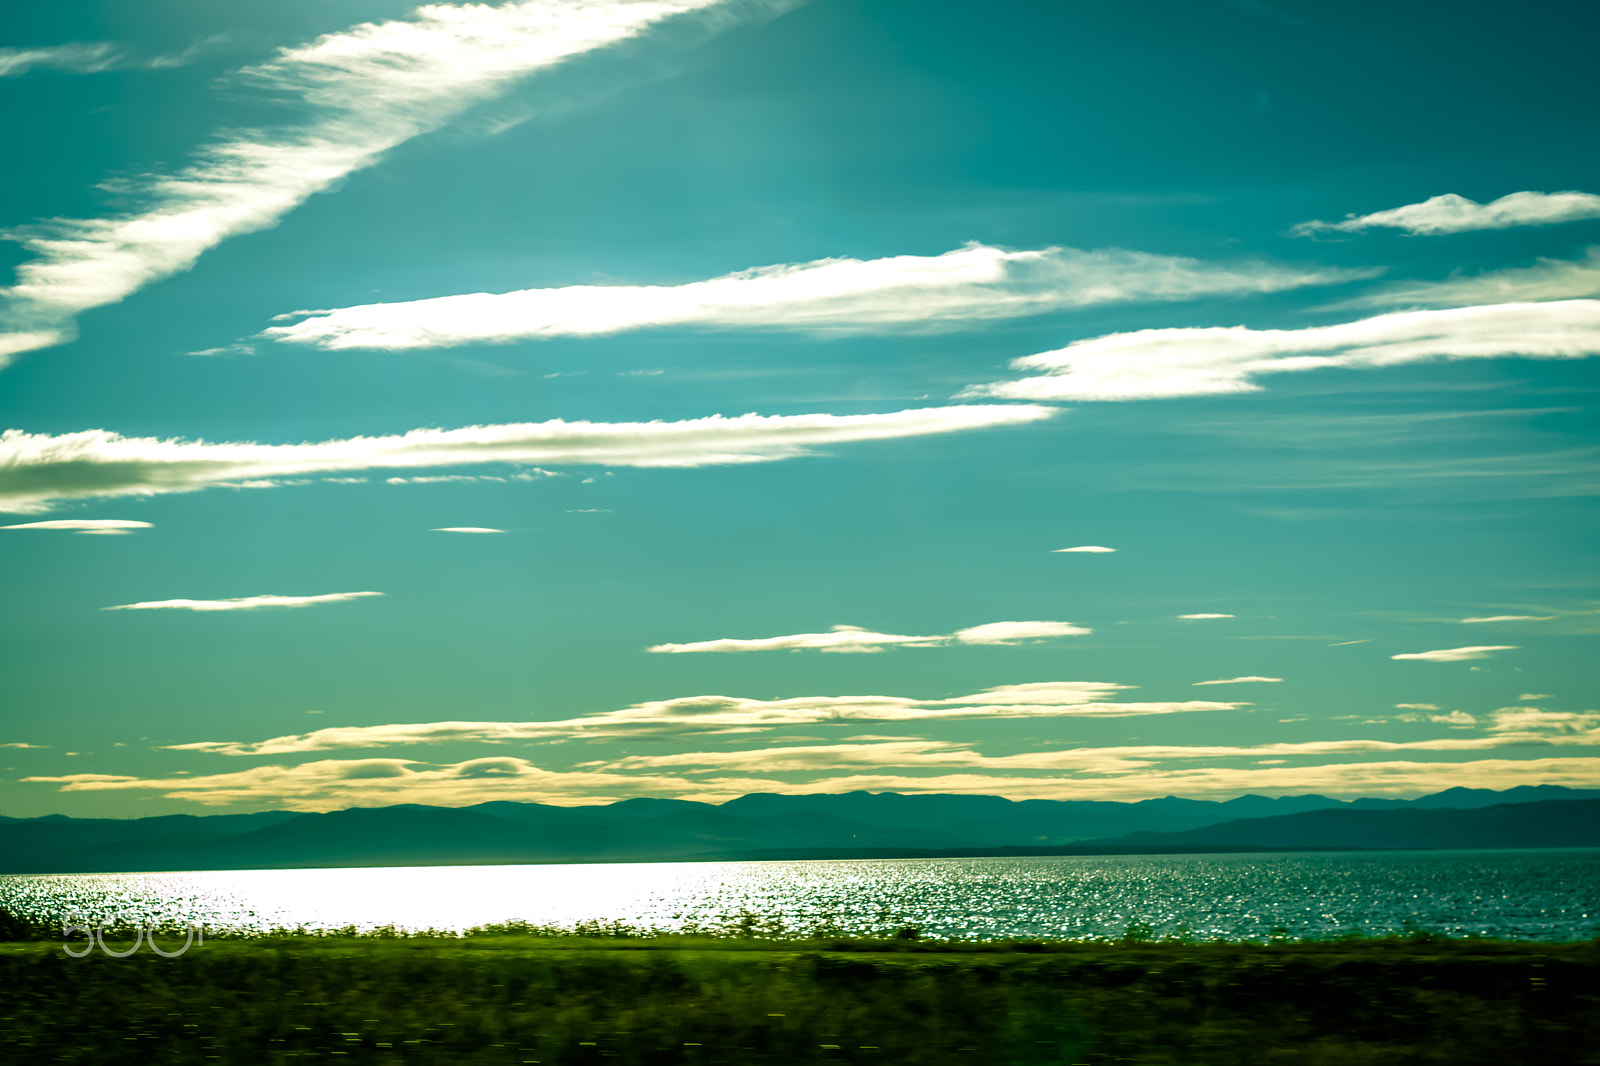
(519,998)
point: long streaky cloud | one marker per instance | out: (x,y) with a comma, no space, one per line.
(241,603)
(1158,363)
(1457,214)
(100,526)
(1546,279)
(855,639)
(37,470)
(1456,655)
(969,285)
(690,715)
(1237,680)
(368,89)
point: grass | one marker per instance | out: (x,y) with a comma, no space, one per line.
(535,995)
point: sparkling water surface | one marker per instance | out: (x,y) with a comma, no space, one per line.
(1547,895)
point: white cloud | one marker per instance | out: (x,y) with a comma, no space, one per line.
(691,715)
(1510,618)
(1237,680)
(1456,655)
(1547,279)
(1530,697)
(96,526)
(1454,718)
(93,57)
(972,284)
(334,784)
(368,89)
(242,603)
(465,529)
(1092,548)
(37,470)
(77,57)
(856,639)
(1416,706)
(1156,363)
(19,744)
(1457,214)
(1199,616)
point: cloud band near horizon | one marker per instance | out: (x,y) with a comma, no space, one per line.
(690,715)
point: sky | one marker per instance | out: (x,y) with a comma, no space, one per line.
(576,400)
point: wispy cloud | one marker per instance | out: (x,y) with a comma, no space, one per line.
(1456,655)
(367,89)
(1237,680)
(1197,617)
(969,285)
(690,715)
(1547,279)
(1509,618)
(95,526)
(37,470)
(1156,363)
(93,57)
(465,529)
(1416,706)
(1094,549)
(1457,214)
(19,744)
(242,603)
(332,784)
(856,639)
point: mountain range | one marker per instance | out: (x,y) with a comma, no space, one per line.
(770,826)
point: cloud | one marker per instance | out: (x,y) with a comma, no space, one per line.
(690,715)
(1237,680)
(1157,363)
(465,529)
(909,752)
(1456,655)
(242,603)
(333,784)
(969,285)
(1199,616)
(855,639)
(1547,279)
(77,57)
(37,470)
(1456,214)
(93,57)
(1529,697)
(1093,548)
(1510,618)
(19,744)
(367,89)
(1416,706)
(95,526)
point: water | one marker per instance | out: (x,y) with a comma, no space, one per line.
(1547,895)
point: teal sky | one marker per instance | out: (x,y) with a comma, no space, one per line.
(1313,291)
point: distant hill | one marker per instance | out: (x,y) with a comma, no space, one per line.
(854,824)
(1539,824)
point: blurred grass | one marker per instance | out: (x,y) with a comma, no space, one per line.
(532,995)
